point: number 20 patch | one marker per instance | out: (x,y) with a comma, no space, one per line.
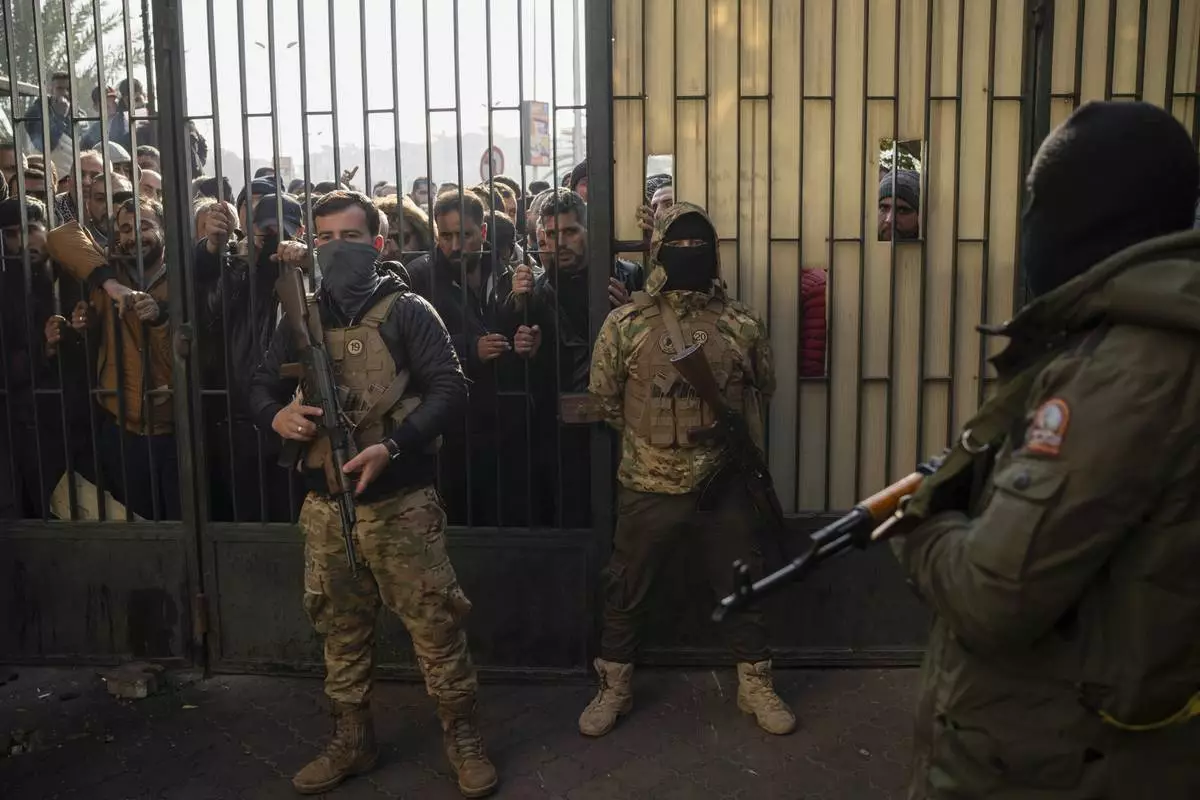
(1048,428)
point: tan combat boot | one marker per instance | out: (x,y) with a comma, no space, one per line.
(464,747)
(614,699)
(756,695)
(351,751)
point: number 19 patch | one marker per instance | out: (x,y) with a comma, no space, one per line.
(1048,428)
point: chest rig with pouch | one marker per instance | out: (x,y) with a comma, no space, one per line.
(372,394)
(660,406)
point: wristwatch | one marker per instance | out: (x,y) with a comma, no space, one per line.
(392,448)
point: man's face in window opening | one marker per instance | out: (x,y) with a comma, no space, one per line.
(420,195)
(96,199)
(147,161)
(91,168)
(150,236)
(151,185)
(35,186)
(347,225)
(456,239)
(8,163)
(663,199)
(897,214)
(37,243)
(563,241)
(60,95)
(124,168)
(581,188)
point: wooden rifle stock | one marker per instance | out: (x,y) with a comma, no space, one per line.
(872,520)
(321,391)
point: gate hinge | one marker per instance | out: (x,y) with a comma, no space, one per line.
(199,617)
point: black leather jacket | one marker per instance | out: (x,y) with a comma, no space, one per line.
(418,341)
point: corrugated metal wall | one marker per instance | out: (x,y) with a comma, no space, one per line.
(775,110)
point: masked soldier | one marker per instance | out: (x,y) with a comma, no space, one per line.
(402,386)
(1058,542)
(675,487)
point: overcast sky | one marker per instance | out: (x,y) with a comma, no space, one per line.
(347,63)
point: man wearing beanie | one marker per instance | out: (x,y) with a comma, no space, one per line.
(1057,542)
(900,205)
(676,486)
(578,182)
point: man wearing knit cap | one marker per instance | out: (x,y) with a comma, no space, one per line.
(1057,542)
(579,180)
(900,205)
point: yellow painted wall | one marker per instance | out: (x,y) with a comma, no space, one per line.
(774,109)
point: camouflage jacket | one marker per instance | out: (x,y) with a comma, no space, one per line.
(672,470)
(1065,657)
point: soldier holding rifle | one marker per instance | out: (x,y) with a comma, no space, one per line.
(1057,542)
(677,482)
(373,524)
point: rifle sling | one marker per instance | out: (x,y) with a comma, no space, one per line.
(674,328)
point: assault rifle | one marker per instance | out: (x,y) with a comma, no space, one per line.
(320,390)
(744,455)
(872,520)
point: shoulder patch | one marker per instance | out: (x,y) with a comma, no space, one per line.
(1048,427)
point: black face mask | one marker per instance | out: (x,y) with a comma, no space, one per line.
(689,269)
(348,275)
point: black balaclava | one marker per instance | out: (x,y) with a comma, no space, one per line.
(1111,176)
(689,269)
(348,274)
(270,245)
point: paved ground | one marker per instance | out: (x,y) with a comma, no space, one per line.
(242,737)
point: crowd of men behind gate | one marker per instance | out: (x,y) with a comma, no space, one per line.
(88,371)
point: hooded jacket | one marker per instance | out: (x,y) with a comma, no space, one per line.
(1067,604)
(646,467)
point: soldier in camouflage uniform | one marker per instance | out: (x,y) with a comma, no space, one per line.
(674,487)
(1058,543)
(404,386)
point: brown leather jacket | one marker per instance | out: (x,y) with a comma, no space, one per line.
(127,345)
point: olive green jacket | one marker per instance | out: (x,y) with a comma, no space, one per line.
(1071,593)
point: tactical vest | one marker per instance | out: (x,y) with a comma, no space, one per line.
(374,397)
(660,406)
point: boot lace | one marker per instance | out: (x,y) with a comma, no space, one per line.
(468,742)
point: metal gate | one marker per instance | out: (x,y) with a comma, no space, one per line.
(780,116)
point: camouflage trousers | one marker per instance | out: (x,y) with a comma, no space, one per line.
(401,546)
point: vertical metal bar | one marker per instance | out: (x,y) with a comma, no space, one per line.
(862,258)
(527,372)
(987,200)
(487,20)
(462,264)
(955,205)
(1143,11)
(1172,49)
(1080,19)
(337,147)
(1036,90)
(72,494)
(927,168)
(831,319)
(204,504)
(366,102)
(176,164)
(31,328)
(893,323)
(606,268)
(304,138)
(1111,55)
(600,229)
(148,390)
(800,264)
(260,347)
(395,47)
(770,101)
